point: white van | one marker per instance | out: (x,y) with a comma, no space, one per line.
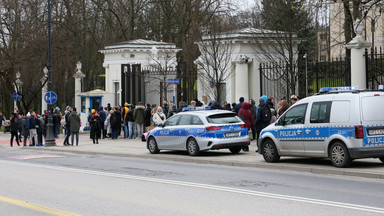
(339,123)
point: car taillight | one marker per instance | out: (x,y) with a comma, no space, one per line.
(376,95)
(243,126)
(359,132)
(212,128)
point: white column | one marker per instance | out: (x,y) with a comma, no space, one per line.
(241,81)
(357,46)
(44,90)
(78,77)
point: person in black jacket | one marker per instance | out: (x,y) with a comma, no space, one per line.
(115,122)
(131,123)
(14,129)
(238,106)
(147,117)
(96,126)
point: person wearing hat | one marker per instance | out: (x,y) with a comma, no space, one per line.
(125,122)
(294,99)
(96,125)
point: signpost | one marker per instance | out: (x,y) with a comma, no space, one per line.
(16,96)
(50,97)
(211,84)
(174,82)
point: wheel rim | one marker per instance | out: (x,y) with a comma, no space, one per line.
(338,155)
(191,146)
(152,145)
(268,151)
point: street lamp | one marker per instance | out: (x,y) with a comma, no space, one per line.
(306,74)
(49,139)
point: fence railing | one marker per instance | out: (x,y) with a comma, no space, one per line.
(374,66)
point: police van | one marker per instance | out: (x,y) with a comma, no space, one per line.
(341,123)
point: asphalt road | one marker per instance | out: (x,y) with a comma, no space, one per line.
(34,183)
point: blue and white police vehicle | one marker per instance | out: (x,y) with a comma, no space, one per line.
(341,123)
(200,130)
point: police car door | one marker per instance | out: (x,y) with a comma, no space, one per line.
(317,130)
(290,130)
(167,135)
(182,132)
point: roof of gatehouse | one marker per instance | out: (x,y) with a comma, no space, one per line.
(139,44)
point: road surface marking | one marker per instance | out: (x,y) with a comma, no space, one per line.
(28,157)
(206,186)
(36,207)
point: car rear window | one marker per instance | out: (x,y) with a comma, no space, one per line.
(373,108)
(224,118)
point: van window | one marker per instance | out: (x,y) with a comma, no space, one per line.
(320,112)
(295,115)
(340,111)
(373,108)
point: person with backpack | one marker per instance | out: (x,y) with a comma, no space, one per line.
(263,117)
(246,115)
(131,123)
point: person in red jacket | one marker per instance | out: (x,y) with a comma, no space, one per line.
(246,115)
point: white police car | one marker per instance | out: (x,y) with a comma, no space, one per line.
(202,130)
(339,123)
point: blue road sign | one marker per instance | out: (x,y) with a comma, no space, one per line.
(211,84)
(174,81)
(16,96)
(50,97)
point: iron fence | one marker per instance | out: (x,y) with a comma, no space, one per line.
(374,66)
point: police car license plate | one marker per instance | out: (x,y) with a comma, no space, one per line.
(232,135)
(373,132)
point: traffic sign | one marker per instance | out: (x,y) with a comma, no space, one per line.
(211,84)
(50,97)
(174,81)
(16,96)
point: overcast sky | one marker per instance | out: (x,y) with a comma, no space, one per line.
(244,4)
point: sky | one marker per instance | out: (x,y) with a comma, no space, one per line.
(244,4)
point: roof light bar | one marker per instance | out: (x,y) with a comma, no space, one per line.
(338,89)
(196,108)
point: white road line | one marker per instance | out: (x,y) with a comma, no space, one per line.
(206,186)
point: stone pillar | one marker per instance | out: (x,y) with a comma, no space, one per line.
(44,90)
(78,78)
(357,47)
(241,81)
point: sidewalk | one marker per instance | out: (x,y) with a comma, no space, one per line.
(367,168)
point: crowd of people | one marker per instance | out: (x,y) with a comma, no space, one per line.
(132,120)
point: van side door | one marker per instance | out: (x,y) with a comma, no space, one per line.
(317,130)
(290,130)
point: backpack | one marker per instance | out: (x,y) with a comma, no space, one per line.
(265,114)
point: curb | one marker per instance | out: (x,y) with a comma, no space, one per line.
(196,160)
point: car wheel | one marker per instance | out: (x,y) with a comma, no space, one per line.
(382,159)
(270,153)
(235,150)
(339,155)
(152,146)
(192,147)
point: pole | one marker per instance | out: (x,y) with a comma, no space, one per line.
(49,139)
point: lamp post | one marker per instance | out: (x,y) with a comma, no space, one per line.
(306,74)
(49,139)
(18,86)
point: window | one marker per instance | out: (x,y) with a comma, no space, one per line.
(185,120)
(296,115)
(373,108)
(83,99)
(322,36)
(196,121)
(340,111)
(172,121)
(227,118)
(323,58)
(320,112)
(323,47)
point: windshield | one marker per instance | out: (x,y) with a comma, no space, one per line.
(224,118)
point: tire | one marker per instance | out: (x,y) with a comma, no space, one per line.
(339,155)
(192,147)
(235,150)
(270,153)
(152,146)
(382,159)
